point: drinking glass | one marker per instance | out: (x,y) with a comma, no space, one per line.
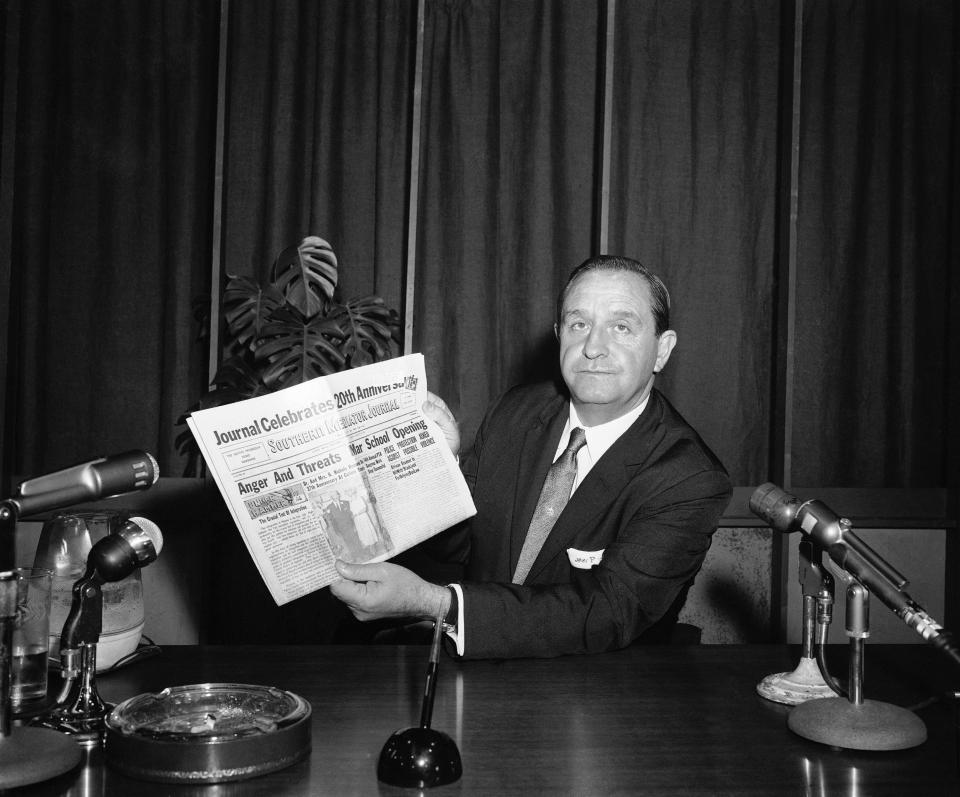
(28,681)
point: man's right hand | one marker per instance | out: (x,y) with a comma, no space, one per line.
(376,591)
(437,411)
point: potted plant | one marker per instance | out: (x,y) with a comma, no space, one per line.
(293,329)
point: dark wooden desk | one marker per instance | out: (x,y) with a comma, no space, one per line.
(647,720)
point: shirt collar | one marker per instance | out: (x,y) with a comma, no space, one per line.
(604,435)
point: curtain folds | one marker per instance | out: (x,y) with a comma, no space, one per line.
(877,252)
(113,194)
(509,141)
(693,196)
(318,136)
(110,230)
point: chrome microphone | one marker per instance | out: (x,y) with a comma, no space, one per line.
(786,513)
(79,709)
(136,543)
(88,481)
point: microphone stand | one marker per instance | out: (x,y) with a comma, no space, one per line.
(806,682)
(422,757)
(27,755)
(854,722)
(79,709)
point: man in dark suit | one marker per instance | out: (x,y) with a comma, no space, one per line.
(339,517)
(644,502)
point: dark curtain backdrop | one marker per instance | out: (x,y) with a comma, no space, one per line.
(878,255)
(318,135)
(115,150)
(694,194)
(110,232)
(510,135)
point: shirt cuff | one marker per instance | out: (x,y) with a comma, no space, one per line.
(453,622)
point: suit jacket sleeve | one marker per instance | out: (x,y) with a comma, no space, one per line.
(651,505)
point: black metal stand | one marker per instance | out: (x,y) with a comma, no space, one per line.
(422,757)
(80,711)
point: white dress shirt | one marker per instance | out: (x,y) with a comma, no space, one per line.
(599,439)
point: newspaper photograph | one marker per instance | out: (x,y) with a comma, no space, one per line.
(344,466)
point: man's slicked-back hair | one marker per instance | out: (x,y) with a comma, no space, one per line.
(659,296)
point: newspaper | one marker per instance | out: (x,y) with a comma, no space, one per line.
(344,466)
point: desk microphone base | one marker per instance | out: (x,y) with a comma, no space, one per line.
(870,725)
(419,758)
(31,755)
(87,730)
(803,684)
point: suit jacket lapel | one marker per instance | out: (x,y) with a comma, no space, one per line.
(606,480)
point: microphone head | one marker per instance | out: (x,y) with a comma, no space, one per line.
(122,473)
(776,506)
(142,535)
(135,544)
(152,468)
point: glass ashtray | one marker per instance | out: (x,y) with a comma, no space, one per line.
(208,733)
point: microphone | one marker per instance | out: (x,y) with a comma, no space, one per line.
(136,543)
(787,513)
(79,710)
(88,481)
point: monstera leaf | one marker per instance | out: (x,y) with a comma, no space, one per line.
(247,309)
(292,330)
(368,327)
(307,275)
(294,349)
(236,379)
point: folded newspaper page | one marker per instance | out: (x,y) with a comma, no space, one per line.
(344,466)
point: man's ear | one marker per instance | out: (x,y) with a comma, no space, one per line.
(556,331)
(665,344)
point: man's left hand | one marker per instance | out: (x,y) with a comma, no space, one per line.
(436,409)
(375,591)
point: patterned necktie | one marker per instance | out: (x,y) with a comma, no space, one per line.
(553,498)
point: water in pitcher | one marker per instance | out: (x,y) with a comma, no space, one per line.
(122,612)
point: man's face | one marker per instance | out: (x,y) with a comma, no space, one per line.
(609,350)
